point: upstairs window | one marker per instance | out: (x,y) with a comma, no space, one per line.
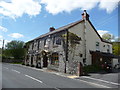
(97,46)
(32,46)
(38,45)
(46,42)
(56,41)
(108,48)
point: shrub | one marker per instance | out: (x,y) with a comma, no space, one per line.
(91,68)
(32,65)
(27,64)
(23,63)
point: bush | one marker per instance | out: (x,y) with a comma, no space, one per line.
(23,63)
(91,68)
(32,65)
(27,64)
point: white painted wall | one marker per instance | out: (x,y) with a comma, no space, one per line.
(91,39)
(114,61)
(78,30)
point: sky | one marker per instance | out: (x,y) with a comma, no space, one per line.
(27,19)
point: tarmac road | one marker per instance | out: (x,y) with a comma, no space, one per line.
(15,76)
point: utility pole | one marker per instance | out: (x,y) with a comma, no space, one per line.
(3,44)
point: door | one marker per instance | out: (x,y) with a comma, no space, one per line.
(45,61)
(32,60)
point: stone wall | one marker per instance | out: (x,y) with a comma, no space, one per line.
(12,61)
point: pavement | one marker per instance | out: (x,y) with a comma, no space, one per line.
(21,76)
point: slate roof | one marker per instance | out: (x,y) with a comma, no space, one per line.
(67,27)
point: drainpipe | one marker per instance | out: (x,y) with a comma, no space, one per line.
(85,16)
(66,50)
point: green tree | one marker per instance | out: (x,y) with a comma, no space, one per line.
(15,49)
(107,36)
(116,48)
(15,44)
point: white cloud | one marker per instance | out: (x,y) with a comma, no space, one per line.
(16,8)
(1,37)
(101,32)
(58,6)
(16,35)
(108,5)
(3,29)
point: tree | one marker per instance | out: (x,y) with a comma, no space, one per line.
(107,36)
(117,39)
(116,48)
(15,49)
(15,44)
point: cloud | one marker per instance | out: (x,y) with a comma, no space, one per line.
(3,29)
(108,5)
(16,8)
(58,6)
(16,35)
(1,37)
(101,32)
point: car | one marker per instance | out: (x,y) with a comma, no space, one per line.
(107,67)
(117,66)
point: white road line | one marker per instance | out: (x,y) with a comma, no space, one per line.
(34,78)
(98,85)
(15,71)
(5,67)
(102,80)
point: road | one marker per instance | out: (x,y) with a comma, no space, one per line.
(15,76)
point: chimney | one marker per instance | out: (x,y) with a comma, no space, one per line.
(52,29)
(85,16)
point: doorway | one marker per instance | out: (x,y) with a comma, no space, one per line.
(45,60)
(32,60)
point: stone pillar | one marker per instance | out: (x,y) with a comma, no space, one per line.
(80,69)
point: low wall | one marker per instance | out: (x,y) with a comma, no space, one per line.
(11,61)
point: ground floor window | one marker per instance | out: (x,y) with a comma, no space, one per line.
(55,59)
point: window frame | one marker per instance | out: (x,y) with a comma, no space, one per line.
(55,59)
(98,46)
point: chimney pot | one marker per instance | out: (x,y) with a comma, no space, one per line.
(52,29)
(85,16)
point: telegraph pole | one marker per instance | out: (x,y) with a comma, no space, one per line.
(3,44)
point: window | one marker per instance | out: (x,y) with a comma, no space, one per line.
(44,42)
(108,48)
(38,45)
(103,45)
(55,59)
(47,42)
(56,41)
(97,46)
(32,46)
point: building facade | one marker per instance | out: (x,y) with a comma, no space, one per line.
(64,48)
